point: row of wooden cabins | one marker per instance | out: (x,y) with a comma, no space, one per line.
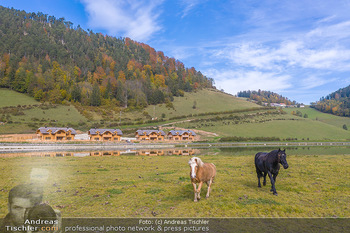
(68,134)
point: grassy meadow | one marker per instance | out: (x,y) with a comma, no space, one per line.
(273,123)
(204,101)
(23,114)
(148,186)
(30,118)
(11,98)
(330,119)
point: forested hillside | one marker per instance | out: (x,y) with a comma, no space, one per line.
(265,96)
(337,103)
(52,60)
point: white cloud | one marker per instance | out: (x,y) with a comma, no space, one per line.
(302,55)
(314,81)
(336,31)
(134,19)
(285,55)
(234,81)
(249,54)
(188,6)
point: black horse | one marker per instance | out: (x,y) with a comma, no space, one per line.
(268,163)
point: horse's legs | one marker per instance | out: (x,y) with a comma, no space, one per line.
(195,191)
(273,189)
(209,185)
(199,190)
(259,174)
(264,182)
(274,179)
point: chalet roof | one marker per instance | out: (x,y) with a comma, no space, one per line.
(181,132)
(102,131)
(148,132)
(54,130)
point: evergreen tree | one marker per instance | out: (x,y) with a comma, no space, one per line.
(95,99)
(76,93)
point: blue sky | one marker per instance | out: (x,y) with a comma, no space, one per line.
(299,49)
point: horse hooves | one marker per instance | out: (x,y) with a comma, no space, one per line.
(264,184)
(259,186)
(195,200)
(275,194)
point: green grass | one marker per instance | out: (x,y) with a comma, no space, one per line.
(16,128)
(61,113)
(115,191)
(11,98)
(282,126)
(35,117)
(34,114)
(139,186)
(322,117)
(206,101)
(284,129)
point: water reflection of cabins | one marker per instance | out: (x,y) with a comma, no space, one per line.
(183,152)
(144,152)
(166,152)
(105,153)
(150,152)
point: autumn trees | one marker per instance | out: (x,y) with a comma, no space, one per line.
(52,61)
(265,96)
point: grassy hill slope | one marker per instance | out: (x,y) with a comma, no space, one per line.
(12,98)
(206,110)
(23,114)
(203,101)
(322,117)
(283,129)
(266,123)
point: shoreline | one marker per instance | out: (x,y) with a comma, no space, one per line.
(41,147)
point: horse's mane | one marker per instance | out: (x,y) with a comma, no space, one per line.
(199,161)
(274,152)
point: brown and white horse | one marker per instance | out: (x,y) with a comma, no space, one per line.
(201,172)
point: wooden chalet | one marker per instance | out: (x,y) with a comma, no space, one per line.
(56,134)
(105,134)
(181,135)
(150,135)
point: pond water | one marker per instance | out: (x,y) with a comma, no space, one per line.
(234,151)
